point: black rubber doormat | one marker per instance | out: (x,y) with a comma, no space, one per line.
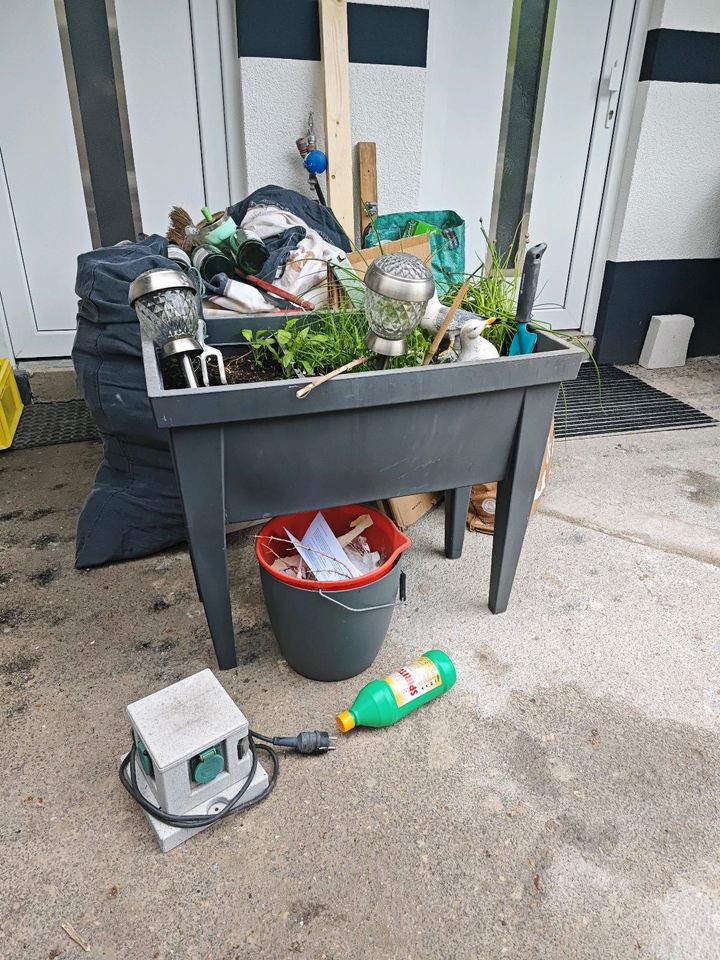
(47,424)
(619,403)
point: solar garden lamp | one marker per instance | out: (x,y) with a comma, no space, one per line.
(398,287)
(165,302)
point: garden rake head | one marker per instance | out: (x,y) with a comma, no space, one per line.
(209,353)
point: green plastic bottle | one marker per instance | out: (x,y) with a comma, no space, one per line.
(381,703)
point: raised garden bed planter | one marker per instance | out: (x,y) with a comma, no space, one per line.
(255,450)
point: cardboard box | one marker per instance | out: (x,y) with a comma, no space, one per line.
(481,512)
(404,511)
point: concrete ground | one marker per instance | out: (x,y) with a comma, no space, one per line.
(562,801)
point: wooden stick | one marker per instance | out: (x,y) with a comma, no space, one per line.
(74,935)
(367,163)
(304,391)
(338,141)
(433,348)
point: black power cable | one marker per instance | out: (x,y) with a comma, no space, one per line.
(308,742)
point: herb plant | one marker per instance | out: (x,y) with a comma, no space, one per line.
(325,342)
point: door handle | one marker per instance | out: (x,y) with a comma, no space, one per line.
(613,90)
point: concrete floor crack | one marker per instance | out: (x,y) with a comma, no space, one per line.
(699,555)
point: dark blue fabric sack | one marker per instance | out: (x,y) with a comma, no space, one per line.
(134,508)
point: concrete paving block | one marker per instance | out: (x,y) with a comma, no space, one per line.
(666,343)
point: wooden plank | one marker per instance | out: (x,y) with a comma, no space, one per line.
(367,163)
(336,76)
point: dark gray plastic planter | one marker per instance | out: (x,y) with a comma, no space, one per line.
(254,450)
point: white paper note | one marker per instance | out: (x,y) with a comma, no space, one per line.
(322,552)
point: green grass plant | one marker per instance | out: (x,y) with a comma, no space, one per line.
(324,342)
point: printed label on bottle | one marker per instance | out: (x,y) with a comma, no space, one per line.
(414,680)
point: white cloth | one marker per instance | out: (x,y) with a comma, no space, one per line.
(304,274)
(240,298)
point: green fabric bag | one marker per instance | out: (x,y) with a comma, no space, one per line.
(448,247)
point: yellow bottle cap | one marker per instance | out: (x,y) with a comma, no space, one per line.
(345,721)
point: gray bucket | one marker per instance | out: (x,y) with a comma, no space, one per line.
(331,634)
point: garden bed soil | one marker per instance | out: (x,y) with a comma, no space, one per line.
(239,368)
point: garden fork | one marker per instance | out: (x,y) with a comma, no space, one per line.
(209,353)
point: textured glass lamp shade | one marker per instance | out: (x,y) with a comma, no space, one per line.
(398,287)
(166,306)
(167,314)
(391,321)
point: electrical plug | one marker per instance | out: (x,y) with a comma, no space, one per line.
(309,741)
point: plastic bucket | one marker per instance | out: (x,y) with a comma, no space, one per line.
(332,630)
(383,535)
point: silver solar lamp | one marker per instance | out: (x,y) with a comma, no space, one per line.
(398,287)
(166,305)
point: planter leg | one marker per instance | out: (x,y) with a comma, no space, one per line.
(516,492)
(199,467)
(456,508)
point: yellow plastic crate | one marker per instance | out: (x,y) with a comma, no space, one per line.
(10,404)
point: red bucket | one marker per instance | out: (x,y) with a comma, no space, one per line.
(383,536)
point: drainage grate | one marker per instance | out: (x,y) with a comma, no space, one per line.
(47,424)
(621,404)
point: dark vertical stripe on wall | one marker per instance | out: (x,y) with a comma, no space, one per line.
(393,35)
(526,55)
(681,56)
(92,61)
(290,30)
(285,29)
(635,290)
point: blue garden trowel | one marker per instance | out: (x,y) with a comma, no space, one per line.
(524,340)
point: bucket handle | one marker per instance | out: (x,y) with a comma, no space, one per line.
(380,606)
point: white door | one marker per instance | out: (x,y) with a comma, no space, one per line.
(110,114)
(523,96)
(43,220)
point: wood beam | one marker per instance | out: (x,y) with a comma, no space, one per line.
(338,141)
(367,163)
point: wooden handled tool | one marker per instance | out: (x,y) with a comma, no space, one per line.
(276,291)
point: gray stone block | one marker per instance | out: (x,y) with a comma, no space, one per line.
(176,725)
(170,837)
(666,343)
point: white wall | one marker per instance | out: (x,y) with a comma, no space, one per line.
(687,15)
(669,203)
(6,349)
(467,61)
(387,105)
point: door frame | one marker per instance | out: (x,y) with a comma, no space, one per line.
(461,82)
(616,164)
(569,314)
(213,40)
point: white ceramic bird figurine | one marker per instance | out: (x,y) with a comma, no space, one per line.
(435,313)
(473,345)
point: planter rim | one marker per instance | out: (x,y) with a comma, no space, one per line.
(557,360)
